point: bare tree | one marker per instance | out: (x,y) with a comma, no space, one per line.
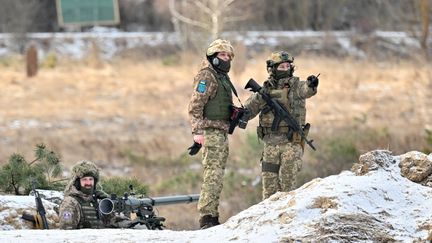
(206,17)
(425,20)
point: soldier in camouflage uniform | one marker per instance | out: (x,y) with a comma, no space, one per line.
(79,208)
(209,112)
(282,155)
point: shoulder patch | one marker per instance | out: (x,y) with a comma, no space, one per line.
(202,86)
(67,215)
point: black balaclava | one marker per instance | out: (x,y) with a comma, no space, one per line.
(219,64)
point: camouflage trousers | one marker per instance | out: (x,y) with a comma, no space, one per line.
(280,165)
(215,155)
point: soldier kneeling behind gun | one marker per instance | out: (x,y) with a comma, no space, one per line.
(79,208)
(85,207)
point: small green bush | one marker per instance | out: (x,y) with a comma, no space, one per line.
(120,185)
(335,154)
(187,179)
(17,175)
(50,61)
(171,60)
(428,138)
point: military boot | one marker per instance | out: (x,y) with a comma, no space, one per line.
(208,221)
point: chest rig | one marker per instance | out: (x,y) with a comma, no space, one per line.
(89,214)
(286,92)
(218,108)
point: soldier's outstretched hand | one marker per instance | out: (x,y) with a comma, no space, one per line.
(312,81)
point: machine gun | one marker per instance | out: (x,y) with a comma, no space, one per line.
(280,113)
(39,220)
(142,207)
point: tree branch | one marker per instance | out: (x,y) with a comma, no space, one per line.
(226,3)
(203,7)
(184,19)
(235,18)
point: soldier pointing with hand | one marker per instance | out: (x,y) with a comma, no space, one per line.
(283,146)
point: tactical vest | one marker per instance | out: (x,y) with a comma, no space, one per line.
(89,214)
(218,108)
(288,97)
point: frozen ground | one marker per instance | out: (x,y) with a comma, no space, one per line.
(380,205)
(111,42)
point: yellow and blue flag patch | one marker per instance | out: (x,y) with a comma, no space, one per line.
(202,86)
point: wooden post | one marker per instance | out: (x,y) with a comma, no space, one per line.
(31,61)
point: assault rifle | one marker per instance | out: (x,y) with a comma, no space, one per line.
(39,220)
(142,207)
(280,113)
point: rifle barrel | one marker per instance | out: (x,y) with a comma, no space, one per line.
(170,199)
(107,205)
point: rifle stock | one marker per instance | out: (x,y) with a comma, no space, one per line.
(40,221)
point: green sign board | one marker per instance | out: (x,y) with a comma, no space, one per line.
(87,12)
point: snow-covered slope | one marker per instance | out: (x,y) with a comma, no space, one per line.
(373,202)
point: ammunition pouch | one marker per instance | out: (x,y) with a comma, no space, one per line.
(267,130)
(260,132)
(270,167)
(292,136)
(296,137)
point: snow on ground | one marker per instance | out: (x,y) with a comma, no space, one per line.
(111,41)
(380,205)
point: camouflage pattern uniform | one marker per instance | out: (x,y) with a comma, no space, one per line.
(282,156)
(78,209)
(209,113)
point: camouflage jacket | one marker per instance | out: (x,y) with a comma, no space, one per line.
(200,96)
(298,91)
(70,211)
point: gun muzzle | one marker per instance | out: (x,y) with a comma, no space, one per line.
(253,85)
(106,206)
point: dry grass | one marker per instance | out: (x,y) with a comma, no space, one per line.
(103,112)
(324,203)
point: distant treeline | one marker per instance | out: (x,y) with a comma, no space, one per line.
(22,16)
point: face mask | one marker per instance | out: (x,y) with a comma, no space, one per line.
(279,74)
(221,65)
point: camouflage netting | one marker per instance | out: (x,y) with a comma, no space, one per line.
(85,168)
(80,169)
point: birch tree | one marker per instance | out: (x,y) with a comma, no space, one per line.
(201,20)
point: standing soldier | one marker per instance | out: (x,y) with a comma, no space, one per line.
(282,155)
(209,113)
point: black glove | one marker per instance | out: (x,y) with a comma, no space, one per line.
(312,81)
(194,148)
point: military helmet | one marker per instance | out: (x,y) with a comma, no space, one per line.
(218,46)
(279,57)
(85,168)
